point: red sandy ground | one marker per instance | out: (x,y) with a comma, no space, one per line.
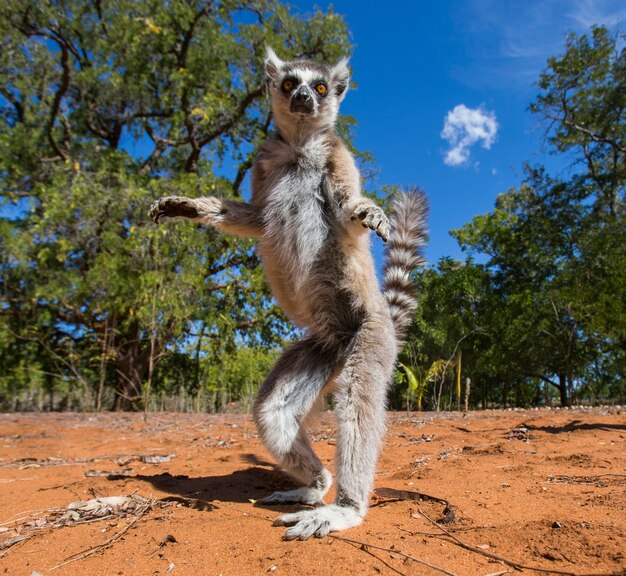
(553,496)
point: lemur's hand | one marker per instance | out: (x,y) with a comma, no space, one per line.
(172,206)
(372,217)
(207,210)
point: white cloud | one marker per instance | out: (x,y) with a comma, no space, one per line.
(463,128)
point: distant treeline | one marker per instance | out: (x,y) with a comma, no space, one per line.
(103,110)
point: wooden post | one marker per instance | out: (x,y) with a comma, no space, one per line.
(458,381)
(468,383)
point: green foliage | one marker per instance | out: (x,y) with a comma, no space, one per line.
(584,99)
(416,386)
(548,305)
(453,300)
(105,107)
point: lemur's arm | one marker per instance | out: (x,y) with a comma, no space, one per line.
(358,213)
(240,218)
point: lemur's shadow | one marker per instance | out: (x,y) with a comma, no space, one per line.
(252,483)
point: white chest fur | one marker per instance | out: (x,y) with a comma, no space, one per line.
(294,218)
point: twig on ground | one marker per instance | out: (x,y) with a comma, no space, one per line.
(26,524)
(511,563)
(11,480)
(365,545)
(365,549)
(29,514)
(12,541)
(101,547)
(600,480)
(438,534)
(95,510)
(122,460)
(449,514)
(56,486)
(4,552)
(110,473)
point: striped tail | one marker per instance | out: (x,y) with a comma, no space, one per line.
(404,255)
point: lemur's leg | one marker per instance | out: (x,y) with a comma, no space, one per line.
(284,401)
(361,388)
(240,218)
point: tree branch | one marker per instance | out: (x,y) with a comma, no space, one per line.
(241,110)
(545,379)
(247,259)
(595,136)
(192,161)
(19,107)
(56,103)
(245,166)
(191,164)
(160,145)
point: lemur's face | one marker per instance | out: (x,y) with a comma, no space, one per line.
(306,91)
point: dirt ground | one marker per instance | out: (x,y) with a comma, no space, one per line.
(542,488)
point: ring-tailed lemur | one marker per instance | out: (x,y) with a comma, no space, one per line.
(311,224)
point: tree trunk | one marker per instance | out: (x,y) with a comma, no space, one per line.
(563,390)
(107,340)
(570,388)
(131,366)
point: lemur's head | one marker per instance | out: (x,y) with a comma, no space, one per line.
(305,92)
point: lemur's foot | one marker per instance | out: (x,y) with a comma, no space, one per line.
(312,495)
(372,217)
(319,522)
(172,206)
(305,495)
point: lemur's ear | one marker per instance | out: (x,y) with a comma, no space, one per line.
(273,64)
(340,75)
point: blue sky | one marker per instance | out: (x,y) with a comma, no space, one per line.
(474,62)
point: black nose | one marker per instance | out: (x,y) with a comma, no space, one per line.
(302,102)
(302,96)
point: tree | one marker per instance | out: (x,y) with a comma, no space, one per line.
(557,247)
(530,242)
(584,100)
(448,322)
(104,107)
(546,305)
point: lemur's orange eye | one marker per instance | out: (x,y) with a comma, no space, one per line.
(287,85)
(321,89)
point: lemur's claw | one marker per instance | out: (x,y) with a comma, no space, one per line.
(157,216)
(318,522)
(372,217)
(156,212)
